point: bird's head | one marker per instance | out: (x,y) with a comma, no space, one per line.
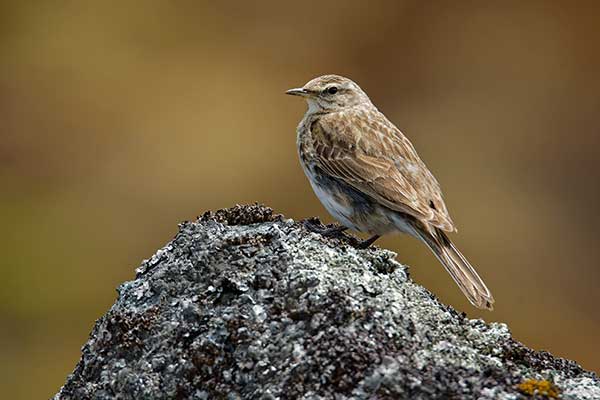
(329,93)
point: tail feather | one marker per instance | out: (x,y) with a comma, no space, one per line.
(458,267)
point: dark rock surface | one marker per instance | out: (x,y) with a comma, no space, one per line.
(244,304)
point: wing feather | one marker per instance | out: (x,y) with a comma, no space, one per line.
(365,150)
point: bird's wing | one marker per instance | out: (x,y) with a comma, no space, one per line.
(367,151)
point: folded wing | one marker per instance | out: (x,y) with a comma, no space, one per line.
(368,152)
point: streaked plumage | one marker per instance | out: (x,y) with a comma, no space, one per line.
(369,177)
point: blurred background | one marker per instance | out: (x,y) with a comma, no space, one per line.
(121,119)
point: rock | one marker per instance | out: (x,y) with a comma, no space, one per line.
(244,304)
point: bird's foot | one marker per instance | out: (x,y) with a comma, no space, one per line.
(337,231)
(333,231)
(364,244)
(314,225)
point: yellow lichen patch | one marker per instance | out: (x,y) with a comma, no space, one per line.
(541,388)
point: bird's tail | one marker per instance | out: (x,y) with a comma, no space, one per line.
(458,267)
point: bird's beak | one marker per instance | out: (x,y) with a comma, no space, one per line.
(298,92)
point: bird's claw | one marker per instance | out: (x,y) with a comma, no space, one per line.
(324,230)
(365,244)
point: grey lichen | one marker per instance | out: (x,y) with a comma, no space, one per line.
(246,304)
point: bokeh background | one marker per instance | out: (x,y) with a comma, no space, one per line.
(120,119)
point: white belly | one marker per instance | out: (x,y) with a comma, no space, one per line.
(339,211)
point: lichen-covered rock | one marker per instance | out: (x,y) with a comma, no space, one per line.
(246,304)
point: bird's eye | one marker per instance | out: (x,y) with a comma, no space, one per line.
(332,90)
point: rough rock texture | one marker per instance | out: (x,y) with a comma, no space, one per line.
(245,304)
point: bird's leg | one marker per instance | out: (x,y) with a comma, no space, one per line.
(367,242)
(331,231)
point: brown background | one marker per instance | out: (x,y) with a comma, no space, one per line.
(121,119)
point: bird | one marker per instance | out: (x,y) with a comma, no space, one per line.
(369,177)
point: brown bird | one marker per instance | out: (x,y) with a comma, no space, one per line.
(369,177)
